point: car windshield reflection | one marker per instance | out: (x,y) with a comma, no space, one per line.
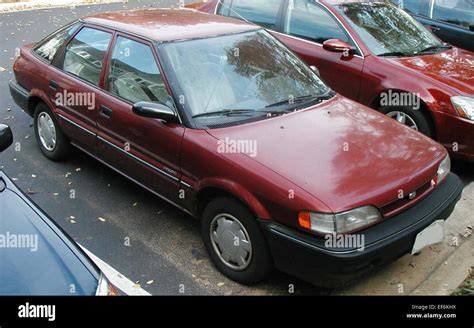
(240,76)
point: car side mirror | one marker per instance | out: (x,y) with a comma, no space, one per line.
(155,110)
(6,137)
(336,45)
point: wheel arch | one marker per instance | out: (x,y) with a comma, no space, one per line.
(376,104)
(210,192)
(35,98)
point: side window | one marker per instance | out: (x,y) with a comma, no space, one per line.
(457,12)
(134,74)
(48,48)
(261,12)
(417,7)
(309,21)
(84,56)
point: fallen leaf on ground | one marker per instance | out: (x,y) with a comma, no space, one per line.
(466,233)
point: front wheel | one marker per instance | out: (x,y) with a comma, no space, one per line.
(52,142)
(414,119)
(235,242)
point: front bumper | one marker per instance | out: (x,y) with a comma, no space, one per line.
(306,256)
(456,134)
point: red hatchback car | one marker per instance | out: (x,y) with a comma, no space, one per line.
(376,54)
(217,117)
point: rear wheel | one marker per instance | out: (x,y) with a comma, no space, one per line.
(235,242)
(414,119)
(52,142)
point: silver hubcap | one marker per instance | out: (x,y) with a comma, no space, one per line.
(46,131)
(404,119)
(231,242)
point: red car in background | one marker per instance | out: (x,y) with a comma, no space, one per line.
(376,54)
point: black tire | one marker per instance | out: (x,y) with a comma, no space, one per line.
(260,265)
(421,119)
(62,148)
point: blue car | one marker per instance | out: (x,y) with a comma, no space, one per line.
(36,256)
(451,20)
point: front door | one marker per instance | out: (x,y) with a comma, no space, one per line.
(145,149)
(306,26)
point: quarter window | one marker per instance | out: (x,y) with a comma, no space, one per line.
(48,48)
(134,74)
(261,12)
(309,21)
(84,56)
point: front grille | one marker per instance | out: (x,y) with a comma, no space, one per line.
(401,204)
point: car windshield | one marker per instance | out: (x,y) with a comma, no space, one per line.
(237,77)
(388,30)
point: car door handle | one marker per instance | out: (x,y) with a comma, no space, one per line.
(54,85)
(105,111)
(434,28)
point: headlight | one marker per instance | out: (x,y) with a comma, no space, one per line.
(339,223)
(464,106)
(444,168)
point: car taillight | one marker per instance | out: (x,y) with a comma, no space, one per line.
(105,288)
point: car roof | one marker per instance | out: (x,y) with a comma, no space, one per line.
(164,25)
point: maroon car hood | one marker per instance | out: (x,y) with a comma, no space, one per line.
(454,68)
(342,153)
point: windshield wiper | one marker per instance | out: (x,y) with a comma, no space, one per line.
(301,99)
(395,54)
(232,112)
(434,47)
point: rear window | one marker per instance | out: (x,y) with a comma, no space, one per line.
(49,47)
(261,12)
(84,55)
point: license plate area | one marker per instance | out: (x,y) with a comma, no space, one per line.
(433,234)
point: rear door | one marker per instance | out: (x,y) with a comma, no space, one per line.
(74,84)
(145,149)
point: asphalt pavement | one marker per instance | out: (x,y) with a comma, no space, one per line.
(154,244)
